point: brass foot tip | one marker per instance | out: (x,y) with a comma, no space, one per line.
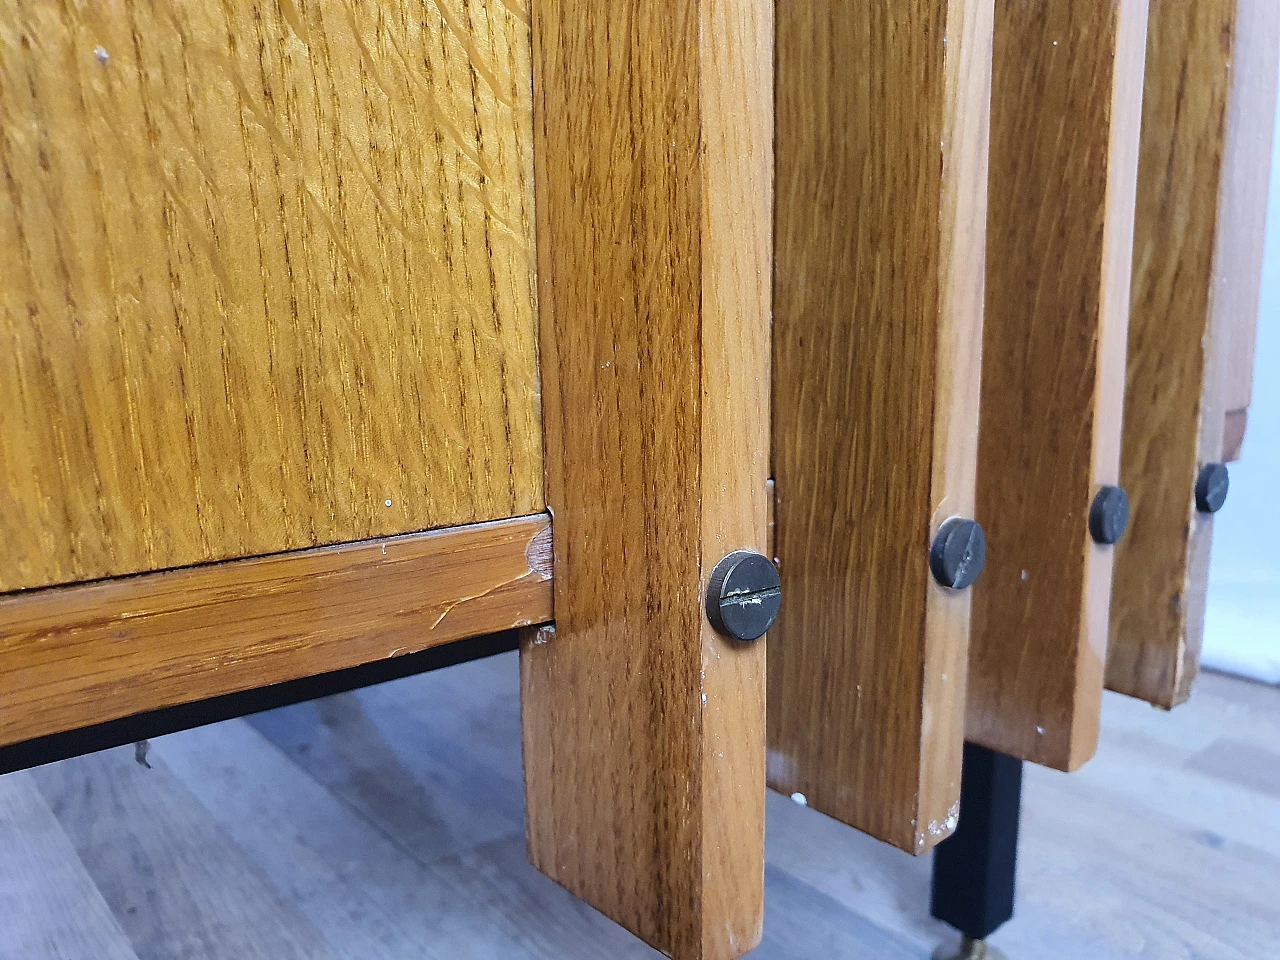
(968,950)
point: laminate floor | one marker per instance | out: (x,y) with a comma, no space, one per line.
(386,823)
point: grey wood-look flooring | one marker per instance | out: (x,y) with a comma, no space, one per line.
(387,824)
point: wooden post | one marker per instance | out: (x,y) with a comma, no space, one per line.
(1246,182)
(1065,106)
(1208,114)
(882,148)
(643,729)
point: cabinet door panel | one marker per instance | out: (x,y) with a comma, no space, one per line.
(268,279)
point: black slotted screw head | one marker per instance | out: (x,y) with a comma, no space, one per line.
(1109,515)
(1211,487)
(744,595)
(959,553)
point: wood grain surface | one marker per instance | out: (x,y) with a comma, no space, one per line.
(1202,191)
(643,729)
(1066,103)
(79,655)
(1173,412)
(268,278)
(1246,183)
(882,123)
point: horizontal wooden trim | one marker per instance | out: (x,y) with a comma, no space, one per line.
(85,654)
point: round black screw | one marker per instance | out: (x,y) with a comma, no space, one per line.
(1211,487)
(959,553)
(744,595)
(1109,515)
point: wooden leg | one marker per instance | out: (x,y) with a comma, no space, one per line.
(1208,110)
(882,152)
(1065,106)
(643,728)
(975,870)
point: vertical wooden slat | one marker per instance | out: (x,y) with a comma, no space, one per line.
(882,139)
(1247,177)
(1202,185)
(644,730)
(1065,108)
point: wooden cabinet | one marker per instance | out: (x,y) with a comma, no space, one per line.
(333,332)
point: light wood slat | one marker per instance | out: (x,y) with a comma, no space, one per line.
(1245,187)
(1197,268)
(268,279)
(50,906)
(881,208)
(79,655)
(1065,109)
(644,730)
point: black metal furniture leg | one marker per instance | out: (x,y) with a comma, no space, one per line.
(973,869)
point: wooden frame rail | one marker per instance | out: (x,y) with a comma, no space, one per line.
(80,655)
(197,713)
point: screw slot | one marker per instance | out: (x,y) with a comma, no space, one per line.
(744,595)
(959,553)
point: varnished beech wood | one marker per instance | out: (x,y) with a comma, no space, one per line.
(1246,182)
(1066,102)
(881,203)
(267,279)
(1196,271)
(643,729)
(79,655)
